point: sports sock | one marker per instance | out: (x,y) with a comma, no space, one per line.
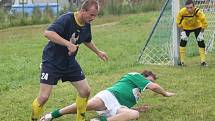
(202,54)
(182,53)
(81,108)
(103,117)
(36,109)
(56,113)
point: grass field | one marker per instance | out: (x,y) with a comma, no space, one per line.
(20,56)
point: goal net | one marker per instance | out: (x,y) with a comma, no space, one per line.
(161,47)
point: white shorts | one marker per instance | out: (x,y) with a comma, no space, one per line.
(111,103)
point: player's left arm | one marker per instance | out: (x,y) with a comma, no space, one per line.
(203,20)
(158,89)
(91,45)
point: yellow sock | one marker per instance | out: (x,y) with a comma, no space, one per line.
(202,54)
(36,109)
(81,108)
(182,53)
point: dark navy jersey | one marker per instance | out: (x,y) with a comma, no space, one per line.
(65,26)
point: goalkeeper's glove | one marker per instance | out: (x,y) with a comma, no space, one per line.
(200,36)
(184,36)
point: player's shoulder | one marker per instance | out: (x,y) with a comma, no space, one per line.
(198,11)
(183,10)
(134,75)
(66,16)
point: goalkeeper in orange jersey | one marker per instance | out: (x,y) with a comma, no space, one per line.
(191,19)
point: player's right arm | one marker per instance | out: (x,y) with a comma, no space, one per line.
(158,89)
(179,19)
(54,37)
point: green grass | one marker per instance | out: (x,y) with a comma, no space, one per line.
(20,56)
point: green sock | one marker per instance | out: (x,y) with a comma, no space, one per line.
(56,113)
(103,117)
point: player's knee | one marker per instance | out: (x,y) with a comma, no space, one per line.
(201,44)
(183,43)
(91,105)
(43,98)
(85,92)
(95,103)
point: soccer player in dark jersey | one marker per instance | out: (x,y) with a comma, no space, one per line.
(191,19)
(58,59)
(115,103)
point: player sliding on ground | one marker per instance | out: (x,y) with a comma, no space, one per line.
(115,103)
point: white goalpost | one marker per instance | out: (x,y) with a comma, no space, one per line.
(161,47)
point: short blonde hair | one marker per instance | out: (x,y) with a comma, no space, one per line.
(89,3)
